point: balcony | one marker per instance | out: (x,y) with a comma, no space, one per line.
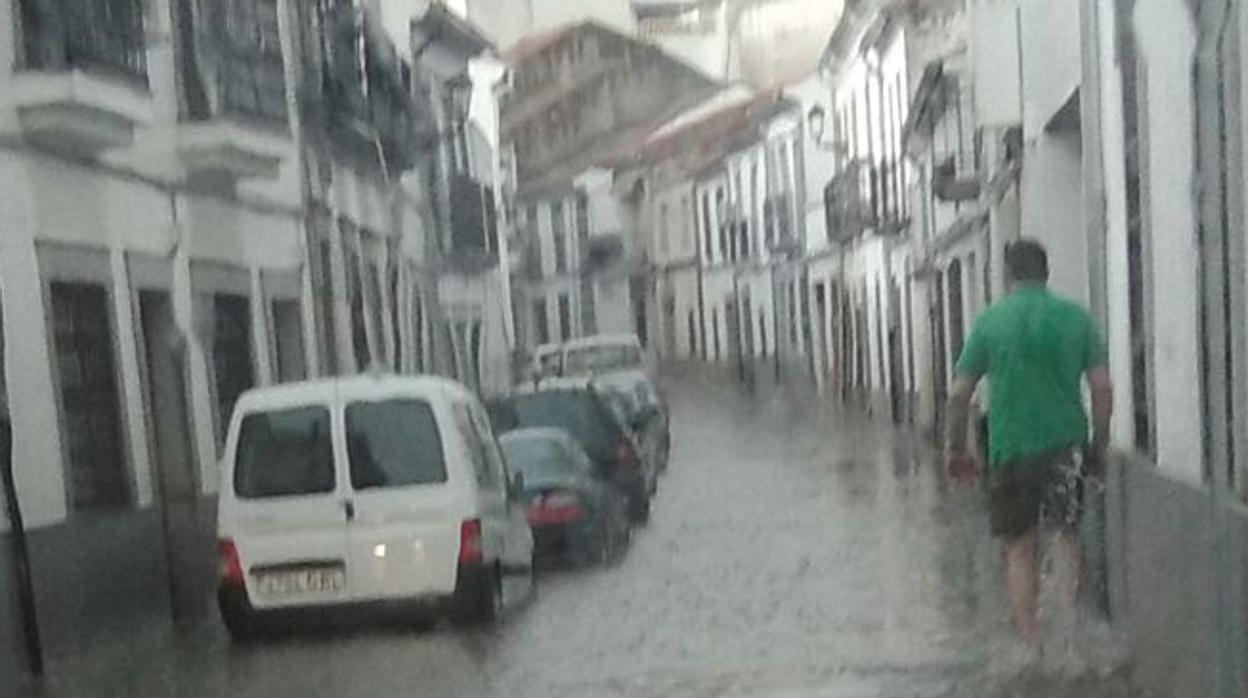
(234,93)
(474,226)
(366,100)
(778,221)
(953,184)
(864,196)
(81,79)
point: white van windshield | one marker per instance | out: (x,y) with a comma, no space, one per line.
(284,454)
(394,443)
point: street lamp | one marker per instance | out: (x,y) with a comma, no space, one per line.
(816,120)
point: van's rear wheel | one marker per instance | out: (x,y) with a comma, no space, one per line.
(240,621)
(478,597)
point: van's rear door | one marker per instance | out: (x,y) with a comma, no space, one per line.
(285,513)
(403,541)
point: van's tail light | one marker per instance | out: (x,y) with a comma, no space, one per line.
(471,550)
(231,565)
(557,507)
(626,454)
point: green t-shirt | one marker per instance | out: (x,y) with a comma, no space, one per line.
(1034,347)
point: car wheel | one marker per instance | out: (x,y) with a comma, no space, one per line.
(639,510)
(240,622)
(623,535)
(479,599)
(599,549)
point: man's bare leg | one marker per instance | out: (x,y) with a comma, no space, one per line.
(1022,583)
(1068,562)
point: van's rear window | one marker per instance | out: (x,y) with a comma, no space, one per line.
(394,443)
(284,454)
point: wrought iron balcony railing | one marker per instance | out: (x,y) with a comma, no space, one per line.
(474,224)
(91,35)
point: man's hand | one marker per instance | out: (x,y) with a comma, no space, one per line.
(1095,457)
(960,466)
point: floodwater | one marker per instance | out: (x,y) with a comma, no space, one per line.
(795,551)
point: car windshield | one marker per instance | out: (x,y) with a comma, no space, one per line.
(601,358)
(393,444)
(284,453)
(576,411)
(541,459)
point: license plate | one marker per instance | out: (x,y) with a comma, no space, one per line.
(302,581)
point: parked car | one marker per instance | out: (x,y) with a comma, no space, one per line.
(603,353)
(547,361)
(575,405)
(366,489)
(640,405)
(574,513)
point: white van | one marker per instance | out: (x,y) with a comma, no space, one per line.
(366,489)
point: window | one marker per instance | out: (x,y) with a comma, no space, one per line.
(285,453)
(792,313)
(715,332)
(418,330)
(231,354)
(663,228)
(395,443)
(762,333)
(706,226)
(693,334)
(484,469)
(685,214)
(565,317)
(605,357)
(541,459)
(88,395)
(720,216)
(541,321)
(582,216)
(559,237)
(580,412)
(497,471)
(376,314)
(288,341)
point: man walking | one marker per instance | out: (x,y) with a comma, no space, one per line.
(1035,349)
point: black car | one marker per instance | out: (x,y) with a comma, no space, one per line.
(642,407)
(586,414)
(574,514)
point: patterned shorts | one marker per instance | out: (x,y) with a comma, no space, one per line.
(1046,490)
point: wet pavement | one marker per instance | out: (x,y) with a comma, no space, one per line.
(795,551)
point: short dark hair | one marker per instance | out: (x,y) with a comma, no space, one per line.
(1026,260)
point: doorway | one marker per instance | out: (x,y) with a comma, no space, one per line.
(231,354)
(90,402)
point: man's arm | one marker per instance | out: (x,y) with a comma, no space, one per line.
(1102,389)
(959,410)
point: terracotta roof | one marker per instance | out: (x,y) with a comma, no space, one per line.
(716,133)
(467,33)
(533,44)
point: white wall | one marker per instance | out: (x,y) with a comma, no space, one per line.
(1052,66)
(1052,195)
(1167,43)
(994,51)
(1118,318)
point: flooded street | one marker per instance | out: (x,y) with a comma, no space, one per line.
(793,551)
